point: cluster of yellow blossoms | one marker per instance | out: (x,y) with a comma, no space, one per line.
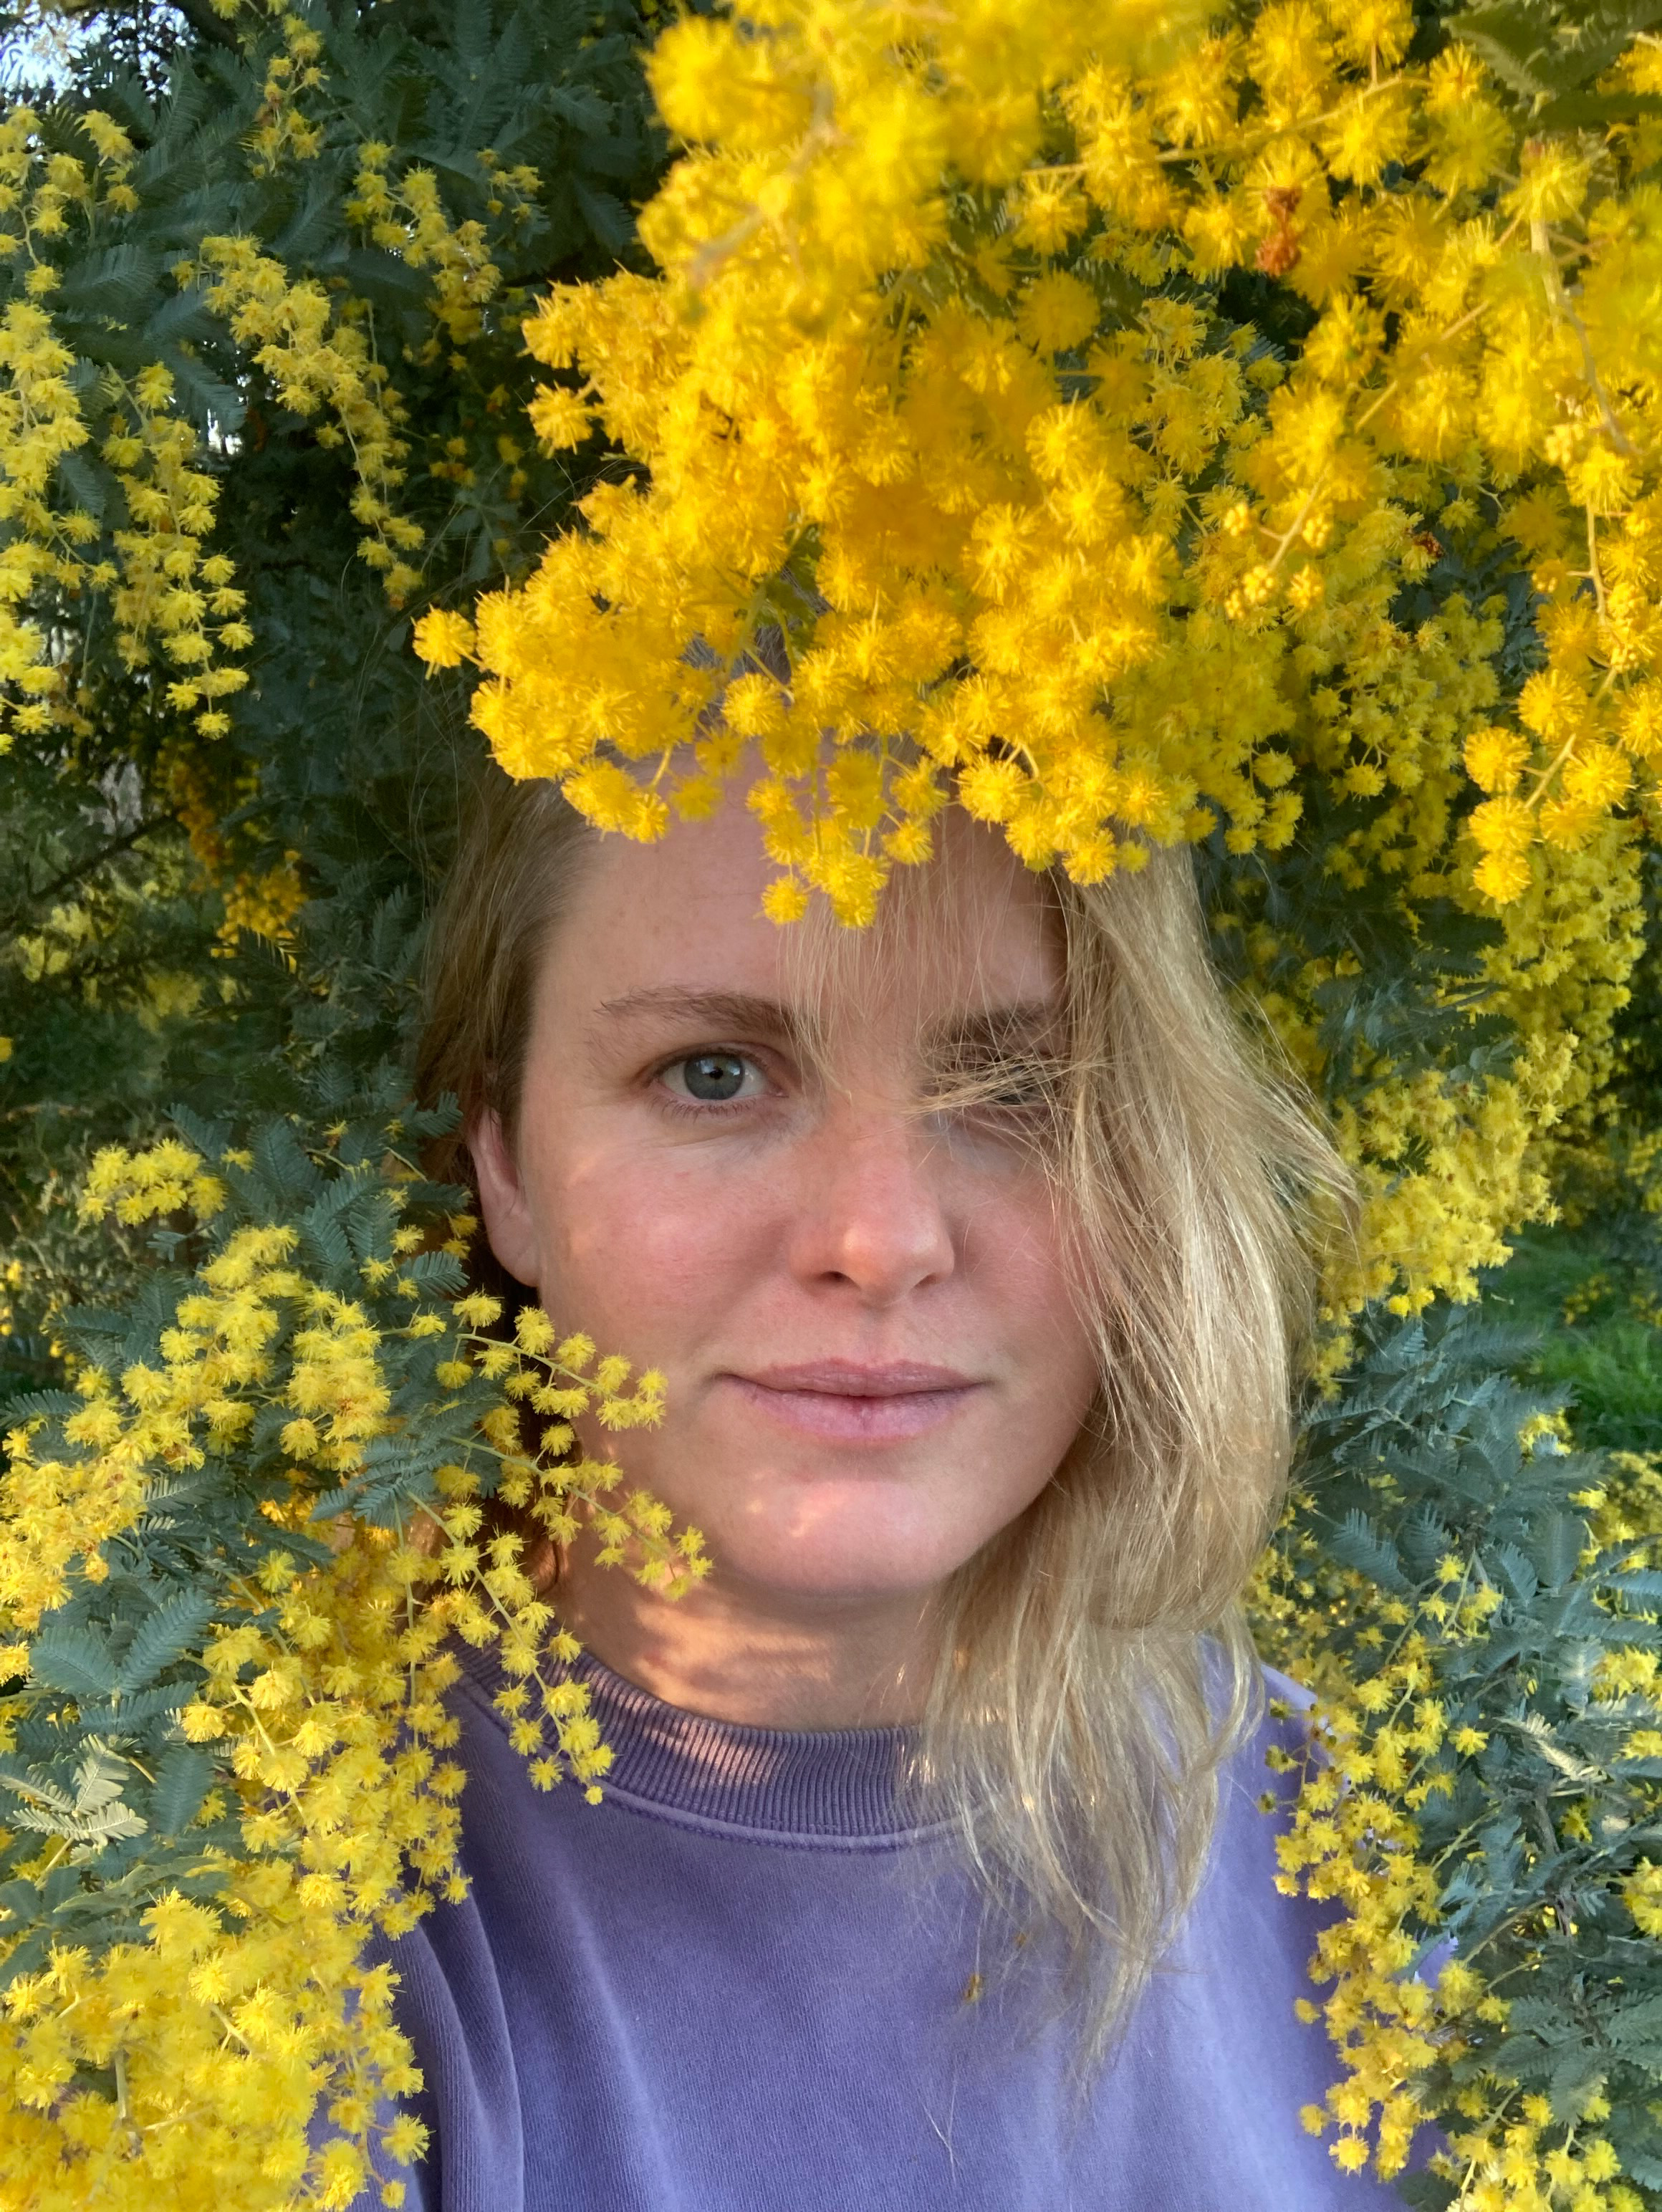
(285,130)
(407,217)
(162,587)
(1447,1170)
(319,351)
(262,899)
(1353,1839)
(320,356)
(950,466)
(168,596)
(1383,1746)
(319,1697)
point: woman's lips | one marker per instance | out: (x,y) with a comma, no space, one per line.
(843,1401)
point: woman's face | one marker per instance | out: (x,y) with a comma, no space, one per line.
(873,1358)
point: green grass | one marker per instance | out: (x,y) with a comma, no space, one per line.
(1605,1359)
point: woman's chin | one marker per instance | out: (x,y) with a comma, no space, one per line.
(838,1538)
(842,1522)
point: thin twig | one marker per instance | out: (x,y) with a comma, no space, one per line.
(35,894)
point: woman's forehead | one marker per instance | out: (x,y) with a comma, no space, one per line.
(970,931)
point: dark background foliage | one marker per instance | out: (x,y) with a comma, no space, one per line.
(116,986)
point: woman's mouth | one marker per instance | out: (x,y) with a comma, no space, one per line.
(848,1401)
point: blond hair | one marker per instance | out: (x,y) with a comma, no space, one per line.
(1096,1671)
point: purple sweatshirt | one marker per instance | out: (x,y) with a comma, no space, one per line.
(743,1984)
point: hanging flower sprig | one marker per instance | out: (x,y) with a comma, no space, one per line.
(234,1561)
(952,473)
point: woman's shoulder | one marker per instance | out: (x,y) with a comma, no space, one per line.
(1282,1686)
(1245,1911)
(1278,1747)
(1287,1720)
(1277,1706)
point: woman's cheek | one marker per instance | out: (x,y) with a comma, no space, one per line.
(1012,1245)
(656,1252)
(1020,1259)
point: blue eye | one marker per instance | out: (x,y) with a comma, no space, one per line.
(714,1078)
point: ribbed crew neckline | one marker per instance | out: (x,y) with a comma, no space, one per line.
(826,1785)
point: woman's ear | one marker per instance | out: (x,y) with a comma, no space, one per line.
(508,1222)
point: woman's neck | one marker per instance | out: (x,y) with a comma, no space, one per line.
(764,1658)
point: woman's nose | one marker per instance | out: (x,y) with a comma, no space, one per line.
(869,1212)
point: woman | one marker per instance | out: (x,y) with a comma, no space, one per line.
(929,1870)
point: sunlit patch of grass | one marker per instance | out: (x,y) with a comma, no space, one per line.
(1590,1306)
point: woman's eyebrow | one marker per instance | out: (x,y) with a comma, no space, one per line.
(714,1009)
(1023,1025)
